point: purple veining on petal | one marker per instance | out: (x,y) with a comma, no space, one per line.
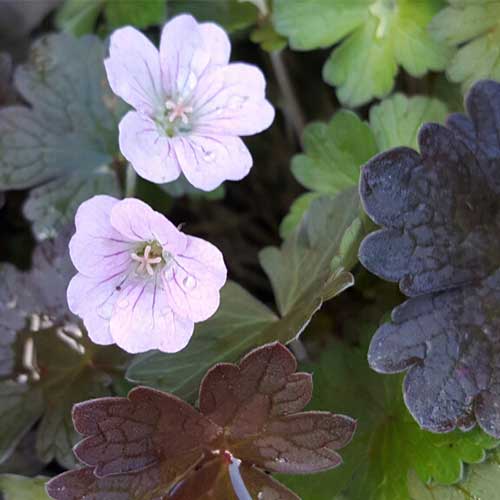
(149,294)
(185,94)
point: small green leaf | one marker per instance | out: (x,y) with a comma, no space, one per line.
(78,17)
(334,153)
(230,14)
(380,35)
(481,482)
(15,487)
(301,268)
(473,27)
(138,13)
(388,443)
(396,121)
(266,36)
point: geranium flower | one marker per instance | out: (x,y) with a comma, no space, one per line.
(191,106)
(141,282)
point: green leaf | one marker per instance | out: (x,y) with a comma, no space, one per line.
(334,152)
(380,35)
(267,37)
(482,482)
(51,206)
(388,442)
(304,263)
(20,407)
(66,142)
(301,268)
(78,17)
(232,15)
(297,210)
(473,27)
(139,13)
(396,121)
(15,487)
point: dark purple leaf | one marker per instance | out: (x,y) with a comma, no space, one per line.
(440,212)
(154,445)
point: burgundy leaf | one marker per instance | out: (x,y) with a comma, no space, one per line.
(149,427)
(152,445)
(264,385)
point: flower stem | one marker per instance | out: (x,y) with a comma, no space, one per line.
(299,350)
(130,181)
(292,108)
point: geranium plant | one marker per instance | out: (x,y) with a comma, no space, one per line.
(203,211)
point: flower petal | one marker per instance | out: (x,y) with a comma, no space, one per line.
(136,220)
(204,260)
(183,55)
(97,249)
(207,161)
(143,320)
(231,100)
(216,41)
(94,301)
(133,70)
(193,284)
(149,152)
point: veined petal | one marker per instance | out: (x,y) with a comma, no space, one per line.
(138,221)
(183,55)
(194,282)
(207,161)
(204,260)
(133,69)
(216,42)
(149,151)
(94,301)
(231,100)
(97,249)
(143,320)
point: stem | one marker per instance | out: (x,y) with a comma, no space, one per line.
(292,109)
(299,350)
(130,181)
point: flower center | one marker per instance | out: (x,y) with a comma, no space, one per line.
(148,258)
(177,119)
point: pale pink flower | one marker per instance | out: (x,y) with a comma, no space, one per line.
(141,282)
(190,104)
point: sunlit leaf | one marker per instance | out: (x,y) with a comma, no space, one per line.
(15,487)
(473,27)
(376,37)
(481,481)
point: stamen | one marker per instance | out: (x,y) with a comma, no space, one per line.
(178,110)
(145,262)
